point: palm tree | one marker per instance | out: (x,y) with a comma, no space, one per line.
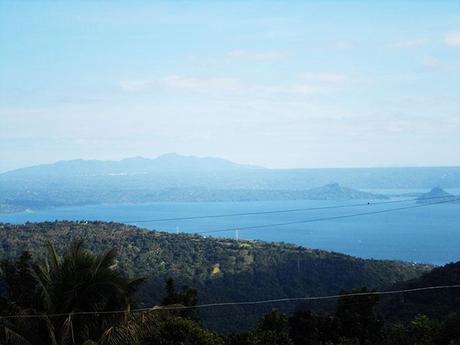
(81,299)
(74,292)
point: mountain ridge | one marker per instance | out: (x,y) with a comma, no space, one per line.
(137,164)
(173,157)
(226,174)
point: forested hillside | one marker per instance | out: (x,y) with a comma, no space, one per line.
(221,269)
(435,304)
(83,298)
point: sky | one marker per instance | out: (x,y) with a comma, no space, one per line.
(282,84)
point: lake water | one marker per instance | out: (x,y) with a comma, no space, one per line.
(425,235)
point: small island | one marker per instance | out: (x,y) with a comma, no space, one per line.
(334,191)
(437,195)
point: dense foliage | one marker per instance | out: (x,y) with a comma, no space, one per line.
(219,269)
(46,302)
(436,304)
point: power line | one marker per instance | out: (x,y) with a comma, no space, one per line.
(223,304)
(320,219)
(315,298)
(278,211)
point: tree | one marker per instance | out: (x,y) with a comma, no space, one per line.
(358,318)
(450,332)
(272,329)
(186,297)
(17,282)
(79,282)
(308,328)
(171,330)
(423,331)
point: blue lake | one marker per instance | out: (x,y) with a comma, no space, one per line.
(427,234)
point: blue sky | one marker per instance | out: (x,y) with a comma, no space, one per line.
(280,84)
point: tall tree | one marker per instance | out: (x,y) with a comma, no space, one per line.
(358,318)
(186,297)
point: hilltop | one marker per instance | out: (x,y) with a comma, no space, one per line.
(437,194)
(220,269)
(334,191)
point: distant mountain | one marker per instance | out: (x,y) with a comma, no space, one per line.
(173,170)
(221,269)
(129,166)
(437,194)
(173,177)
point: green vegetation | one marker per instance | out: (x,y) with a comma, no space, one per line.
(409,305)
(54,293)
(220,269)
(77,282)
(67,299)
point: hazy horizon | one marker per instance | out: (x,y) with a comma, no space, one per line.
(242,163)
(304,85)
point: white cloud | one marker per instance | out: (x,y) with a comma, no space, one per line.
(230,85)
(436,64)
(235,86)
(326,77)
(344,45)
(286,89)
(414,43)
(247,55)
(452,39)
(201,84)
(180,82)
(431,61)
(136,85)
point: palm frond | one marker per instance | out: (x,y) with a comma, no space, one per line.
(50,329)
(42,276)
(14,338)
(104,261)
(119,336)
(52,255)
(90,342)
(135,283)
(76,248)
